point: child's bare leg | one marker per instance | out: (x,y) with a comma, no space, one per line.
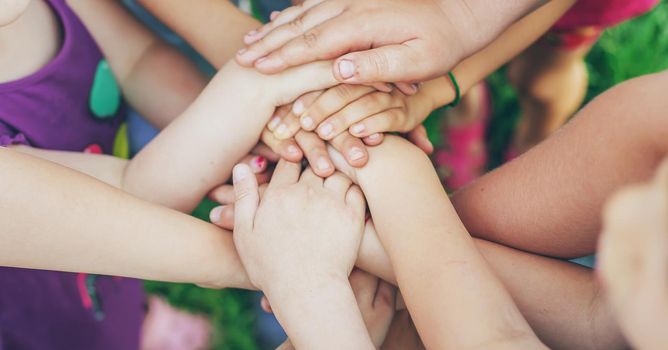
(549,200)
(552,83)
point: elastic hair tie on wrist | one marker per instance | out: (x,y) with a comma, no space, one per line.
(458,93)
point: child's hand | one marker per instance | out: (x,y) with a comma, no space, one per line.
(362,110)
(633,260)
(305,230)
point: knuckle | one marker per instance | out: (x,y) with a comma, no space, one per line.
(377,65)
(297,25)
(310,39)
(344,92)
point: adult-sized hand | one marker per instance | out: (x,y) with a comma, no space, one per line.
(405,40)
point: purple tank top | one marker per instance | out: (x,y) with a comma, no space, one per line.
(50,109)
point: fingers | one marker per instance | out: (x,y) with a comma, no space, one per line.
(299,80)
(390,120)
(287,15)
(297,28)
(330,102)
(287,149)
(290,123)
(285,174)
(263,150)
(278,116)
(355,199)
(406,88)
(419,137)
(374,139)
(338,183)
(352,149)
(386,63)
(310,178)
(247,198)
(340,163)
(315,152)
(367,105)
(223,215)
(257,164)
(364,286)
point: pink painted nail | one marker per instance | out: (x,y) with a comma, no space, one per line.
(258,163)
(347,69)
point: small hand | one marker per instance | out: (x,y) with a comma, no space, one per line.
(302,221)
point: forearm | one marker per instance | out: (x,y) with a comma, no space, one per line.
(320,315)
(418,227)
(537,202)
(514,40)
(156,79)
(58,219)
(560,300)
(214,28)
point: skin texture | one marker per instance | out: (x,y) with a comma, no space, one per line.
(410,50)
(503,206)
(11,10)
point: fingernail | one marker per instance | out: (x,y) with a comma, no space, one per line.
(357,128)
(274,14)
(293,150)
(326,130)
(323,164)
(282,131)
(273,123)
(346,69)
(307,122)
(241,172)
(374,137)
(241,52)
(355,153)
(414,87)
(298,107)
(215,214)
(251,33)
(258,164)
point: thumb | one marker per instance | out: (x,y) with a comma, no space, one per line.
(247,197)
(392,63)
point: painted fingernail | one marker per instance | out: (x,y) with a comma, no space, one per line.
(215,214)
(298,107)
(323,164)
(326,130)
(357,129)
(273,123)
(258,163)
(282,131)
(355,154)
(307,122)
(346,69)
(241,172)
(293,150)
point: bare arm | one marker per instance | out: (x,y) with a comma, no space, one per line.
(436,264)
(156,79)
(58,219)
(214,28)
(549,200)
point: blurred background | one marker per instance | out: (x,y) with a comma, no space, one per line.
(634,48)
